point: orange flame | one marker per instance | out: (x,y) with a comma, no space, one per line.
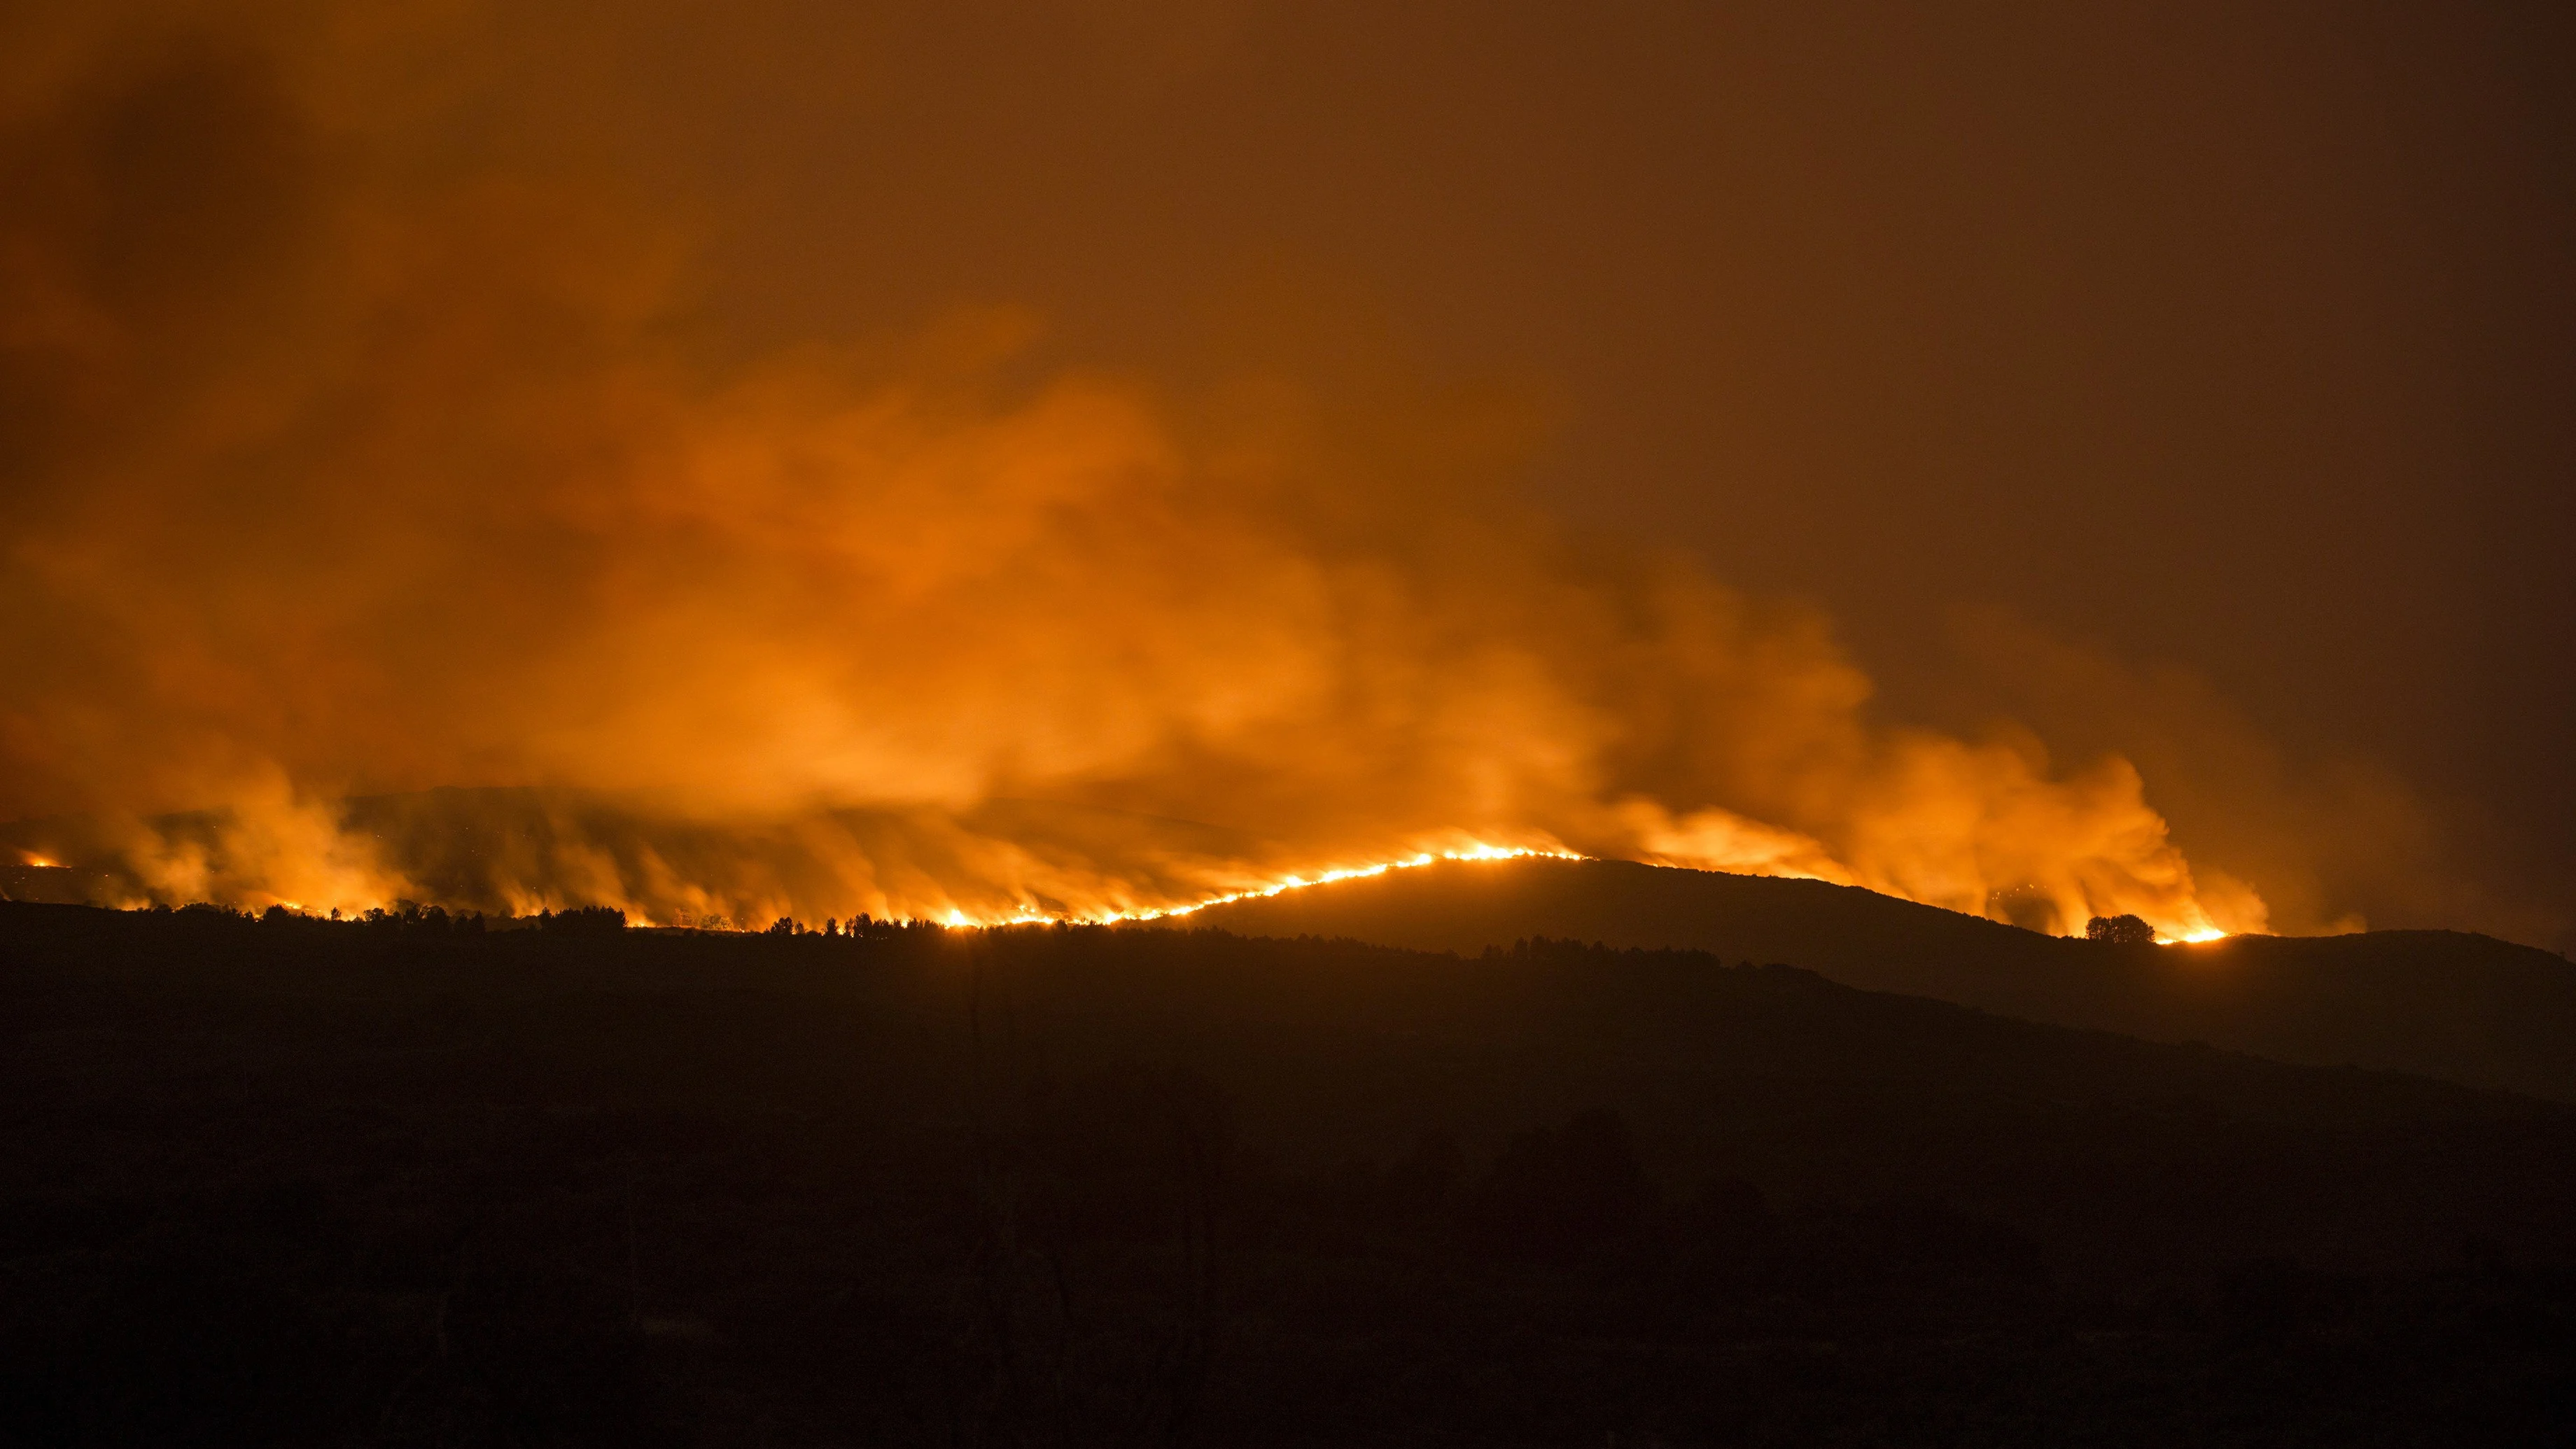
(1322,877)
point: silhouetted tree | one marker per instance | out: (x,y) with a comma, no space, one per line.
(2120,931)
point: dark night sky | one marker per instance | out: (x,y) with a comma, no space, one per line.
(2222,339)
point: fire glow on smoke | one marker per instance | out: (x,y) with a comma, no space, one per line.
(363,478)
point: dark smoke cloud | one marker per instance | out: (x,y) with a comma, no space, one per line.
(353,453)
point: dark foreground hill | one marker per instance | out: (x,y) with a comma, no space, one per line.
(419,1183)
(2442,1003)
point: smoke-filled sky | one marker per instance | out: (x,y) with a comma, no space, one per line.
(1937,447)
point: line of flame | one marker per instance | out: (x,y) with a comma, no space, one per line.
(957,919)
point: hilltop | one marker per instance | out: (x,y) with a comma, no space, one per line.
(2463,1007)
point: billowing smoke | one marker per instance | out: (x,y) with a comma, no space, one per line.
(376,531)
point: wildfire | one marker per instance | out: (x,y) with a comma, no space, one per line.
(948,578)
(2195,927)
(1358,872)
(957,919)
(704,885)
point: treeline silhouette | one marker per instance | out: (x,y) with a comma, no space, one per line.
(420,1179)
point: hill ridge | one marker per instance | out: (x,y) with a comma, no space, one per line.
(2449,1004)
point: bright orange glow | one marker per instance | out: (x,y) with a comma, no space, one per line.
(29,857)
(1302,882)
(2194,938)
(958,919)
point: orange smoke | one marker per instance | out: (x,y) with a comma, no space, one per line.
(354,477)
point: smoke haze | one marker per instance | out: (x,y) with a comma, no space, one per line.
(390,521)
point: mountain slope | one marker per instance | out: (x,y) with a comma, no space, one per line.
(2463,1007)
(419,1181)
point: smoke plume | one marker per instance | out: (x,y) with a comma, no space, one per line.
(378,531)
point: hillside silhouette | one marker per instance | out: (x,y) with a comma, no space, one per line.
(437,1180)
(2463,1007)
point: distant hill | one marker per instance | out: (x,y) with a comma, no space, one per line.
(1325,1050)
(2463,1007)
(416,1180)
